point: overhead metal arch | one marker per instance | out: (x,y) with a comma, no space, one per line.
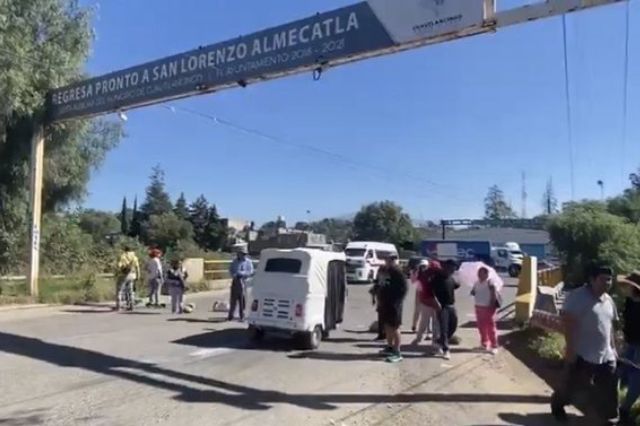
(352,33)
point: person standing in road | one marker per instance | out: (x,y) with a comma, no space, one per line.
(176,281)
(127,274)
(588,317)
(444,286)
(630,361)
(240,270)
(428,316)
(374,291)
(153,269)
(414,279)
(485,296)
(391,294)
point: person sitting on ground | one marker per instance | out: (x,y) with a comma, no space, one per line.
(176,281)
(485,297)
(588,317)
(630,361)
(444,286)
(392,290)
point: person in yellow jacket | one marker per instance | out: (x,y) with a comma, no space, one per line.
(127,274)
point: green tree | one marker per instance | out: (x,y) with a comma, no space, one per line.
(216,233)
(337,230)
(157,201)
(302,226)
(549,200)
(166,230)
(124,217)
(135,229)
(585,233)
(199,219)
(495,205)
(44,44)
(383,221)
(65,247)
(98,224)
(181,209)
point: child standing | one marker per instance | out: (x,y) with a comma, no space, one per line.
(176,277)
(486,301)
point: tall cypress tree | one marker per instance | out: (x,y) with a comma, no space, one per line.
(134,228)
(124,219)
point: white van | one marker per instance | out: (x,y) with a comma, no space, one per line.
(508,258)
(364,258)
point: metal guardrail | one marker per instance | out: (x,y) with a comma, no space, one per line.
(550,277)
(50,277)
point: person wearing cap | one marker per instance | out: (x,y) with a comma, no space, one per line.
(588,317)
(630,360)
(153,268)
(392,291)
(240,270)
(444,286)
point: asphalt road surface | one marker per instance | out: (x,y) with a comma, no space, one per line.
(87,365)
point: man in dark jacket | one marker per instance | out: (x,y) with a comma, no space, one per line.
(392,288)
(444,287)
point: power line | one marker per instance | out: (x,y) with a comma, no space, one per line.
(257,133)
(625,93)
(568,103)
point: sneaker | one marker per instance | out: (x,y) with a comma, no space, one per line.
(446,355)
(394,357)
(559,413)
(386,351)
(439,351)
(493,351)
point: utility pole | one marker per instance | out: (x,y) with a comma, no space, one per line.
(524,195)
(35,207)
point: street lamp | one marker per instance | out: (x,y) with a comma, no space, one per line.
(601,185)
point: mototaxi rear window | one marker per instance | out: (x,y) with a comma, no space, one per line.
(283,265)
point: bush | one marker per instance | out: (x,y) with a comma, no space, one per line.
(585,233)
(549,346)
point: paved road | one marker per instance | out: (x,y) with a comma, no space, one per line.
(91,366)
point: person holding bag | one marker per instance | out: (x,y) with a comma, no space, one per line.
(487,301)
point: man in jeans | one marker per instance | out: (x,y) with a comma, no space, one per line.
(444,287)
(588,317)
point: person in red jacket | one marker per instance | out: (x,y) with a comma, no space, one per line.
(427,304)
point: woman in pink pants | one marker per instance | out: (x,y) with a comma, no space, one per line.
(486,301)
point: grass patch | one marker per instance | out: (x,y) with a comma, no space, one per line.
(547,345)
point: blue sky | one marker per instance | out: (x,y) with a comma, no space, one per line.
(437,125)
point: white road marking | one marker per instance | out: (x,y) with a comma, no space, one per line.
(210,352)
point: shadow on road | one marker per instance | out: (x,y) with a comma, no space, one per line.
(236,338)
(24,418)
(538,419)
(218,391)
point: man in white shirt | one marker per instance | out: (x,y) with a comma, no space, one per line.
(153,268)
